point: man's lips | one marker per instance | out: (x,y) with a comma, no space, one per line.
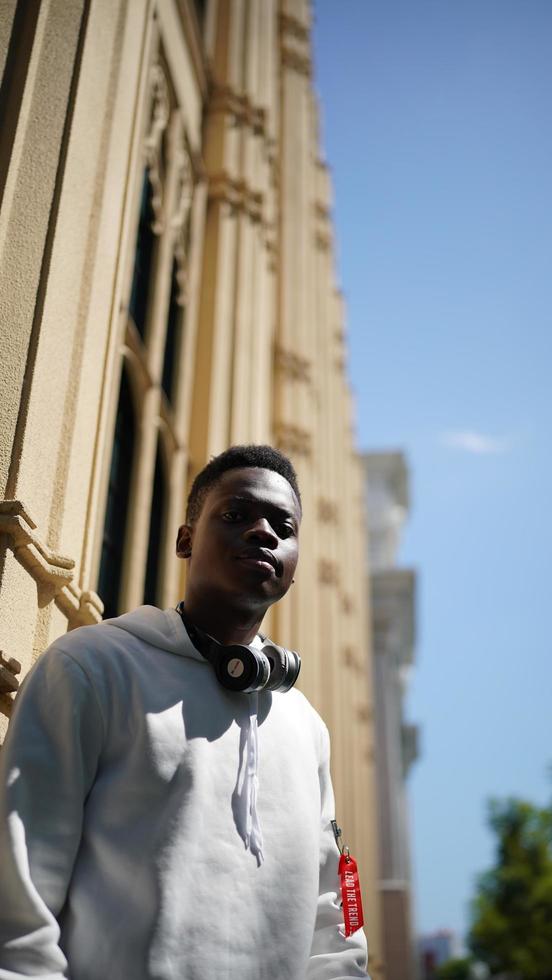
(261,558)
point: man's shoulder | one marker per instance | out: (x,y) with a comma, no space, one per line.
(297,703)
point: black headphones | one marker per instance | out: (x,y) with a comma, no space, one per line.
(243,668)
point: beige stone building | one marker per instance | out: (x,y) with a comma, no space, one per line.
(393,602)
(167,289)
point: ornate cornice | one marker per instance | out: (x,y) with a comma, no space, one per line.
(47,566)
(236,193)
(227,100)
(294,60)
(292,365)
(323,241)
(322,211)
(293,26)
(328,511)
(328,572)
(293,440)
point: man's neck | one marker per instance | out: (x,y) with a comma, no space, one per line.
(226,624)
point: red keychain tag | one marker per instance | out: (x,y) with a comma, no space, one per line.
(350,893)
(350,886)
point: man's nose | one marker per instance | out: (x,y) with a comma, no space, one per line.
(262,530)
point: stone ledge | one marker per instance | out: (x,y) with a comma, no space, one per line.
(48,567)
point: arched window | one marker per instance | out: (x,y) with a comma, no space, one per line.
(158,503)
(143,262)
(120,473)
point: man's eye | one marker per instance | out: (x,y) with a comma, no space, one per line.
(286,530)
(232,516)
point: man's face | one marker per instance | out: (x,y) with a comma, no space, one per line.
(244,545)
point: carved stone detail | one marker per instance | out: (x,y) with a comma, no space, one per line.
(293,26)
(322,211)
(293,440)
(328,511)
(347,603)
(47,566)
(365,714)
(323,241)
(9,668)
(160,110)
(236,193)
(292,365)
(181,217)
(328,572)
(296,61)
(227,100)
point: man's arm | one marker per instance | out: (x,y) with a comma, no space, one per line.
(333,957)
(47,767)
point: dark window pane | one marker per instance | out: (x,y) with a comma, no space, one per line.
(155,532)
(172,343)
(200,7)
(111,562)
(143,261)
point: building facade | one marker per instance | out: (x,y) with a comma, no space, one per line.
(167,290)
(393,624)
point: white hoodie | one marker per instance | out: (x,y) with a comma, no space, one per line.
(122,852)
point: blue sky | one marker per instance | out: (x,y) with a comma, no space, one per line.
(436,124)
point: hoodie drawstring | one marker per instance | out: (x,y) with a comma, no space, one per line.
(247,786)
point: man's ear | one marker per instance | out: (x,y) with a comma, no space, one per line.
(184,541)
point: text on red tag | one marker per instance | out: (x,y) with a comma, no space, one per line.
(350,894)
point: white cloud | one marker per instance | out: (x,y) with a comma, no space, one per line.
(475,442)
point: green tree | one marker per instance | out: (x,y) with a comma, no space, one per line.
(511,920)
(456,969)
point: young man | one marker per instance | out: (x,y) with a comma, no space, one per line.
(158,821)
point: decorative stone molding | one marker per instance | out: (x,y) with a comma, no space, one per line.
(328,511)
(323,241)
(225,99)
(322,211)
(296,61)
(293,440)
(181,216)
(347,603)
(349,658)
(292,365)
(365,714)
(9,668)
(236,193)
(46,566)
(292,26)
(328,572)
(160,110)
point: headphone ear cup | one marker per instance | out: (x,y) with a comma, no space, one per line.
(241,668)
(278,665)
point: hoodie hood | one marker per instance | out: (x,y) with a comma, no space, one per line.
(161,628)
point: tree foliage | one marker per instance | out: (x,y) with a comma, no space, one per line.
(511,920)
(455,969)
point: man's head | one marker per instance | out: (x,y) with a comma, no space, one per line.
(238,457)
(241,531)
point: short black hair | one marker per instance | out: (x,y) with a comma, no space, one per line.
(237,457)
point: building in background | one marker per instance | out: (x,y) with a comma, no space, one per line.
(393,624)
(436,948)
(168,289)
